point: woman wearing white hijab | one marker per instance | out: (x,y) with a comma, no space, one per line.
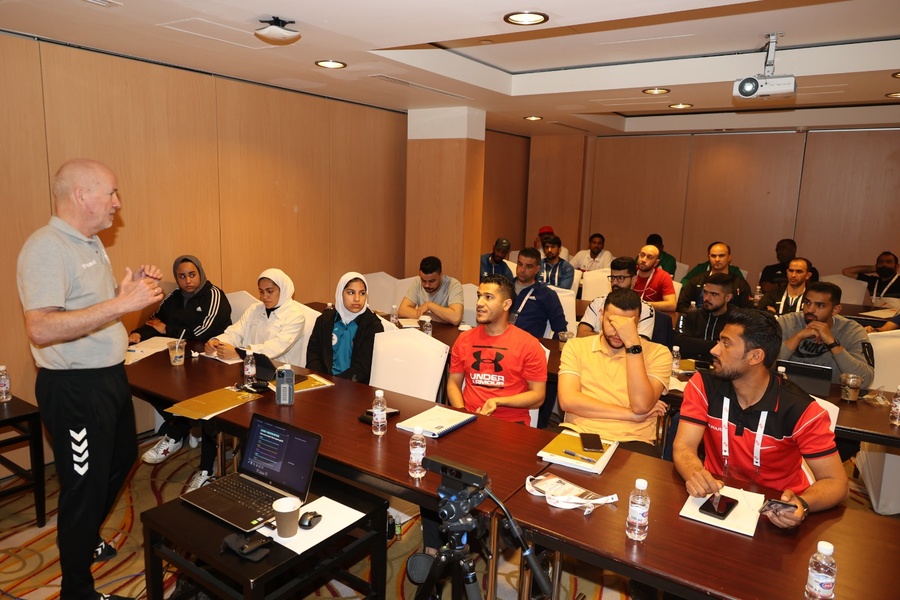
(343,338)
(272,326)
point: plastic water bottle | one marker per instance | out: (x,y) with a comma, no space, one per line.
(822,571)
(638,521)
(329,305)
(416,454)
(693,306)
(676,359)
(757,297)
(379,416)
(895,407)
(782,373)
(395,317)
(5,391)
(426,325)
(249,368)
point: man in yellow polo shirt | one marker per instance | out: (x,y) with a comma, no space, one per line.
(610,384)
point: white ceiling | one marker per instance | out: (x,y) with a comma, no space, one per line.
(583,71)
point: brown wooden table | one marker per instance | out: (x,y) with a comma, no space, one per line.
(694,560)
(24,419)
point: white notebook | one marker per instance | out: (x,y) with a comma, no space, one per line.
(436,421)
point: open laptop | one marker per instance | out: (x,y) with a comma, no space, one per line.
(813,379)
(278,460)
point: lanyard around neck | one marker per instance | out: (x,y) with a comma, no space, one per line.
(757,442)
(885,289)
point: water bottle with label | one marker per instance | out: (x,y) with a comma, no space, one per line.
(379,414)
(416,454)
(757,297)
(395,317)
(427,327)
(676,359)
(5,386)
(895,408)
(638,521)
(249,368)
(822,571)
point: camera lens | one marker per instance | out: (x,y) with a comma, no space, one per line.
(748,87)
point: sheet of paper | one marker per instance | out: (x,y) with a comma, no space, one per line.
(675,384)
(227,361)
(743,518)
(144,349)
(883,313)
(409,323)
(335,516)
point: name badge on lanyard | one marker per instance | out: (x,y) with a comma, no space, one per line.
(757,442)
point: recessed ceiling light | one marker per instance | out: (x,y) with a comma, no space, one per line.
(526,17)
(656,91)
(680,105)
(893,95)
(897,74)
(532,118)
(331,64)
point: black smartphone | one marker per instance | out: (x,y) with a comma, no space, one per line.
(718,506)
(389,412)
(777,506)
(591,442)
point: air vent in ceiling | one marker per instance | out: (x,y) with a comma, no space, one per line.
(417,86)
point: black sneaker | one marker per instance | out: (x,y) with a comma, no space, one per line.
(104,552)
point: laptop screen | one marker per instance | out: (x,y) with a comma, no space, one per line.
(281,455)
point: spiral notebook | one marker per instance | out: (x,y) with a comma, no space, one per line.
(436,421)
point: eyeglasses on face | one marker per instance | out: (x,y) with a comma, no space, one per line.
(618,278)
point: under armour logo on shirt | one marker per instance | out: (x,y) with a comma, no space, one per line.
(496,361)
(79,450)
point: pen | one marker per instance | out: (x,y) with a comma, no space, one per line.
(581,456)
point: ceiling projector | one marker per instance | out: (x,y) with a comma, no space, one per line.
(762,86)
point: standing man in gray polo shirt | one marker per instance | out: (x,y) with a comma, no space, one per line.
(72,309)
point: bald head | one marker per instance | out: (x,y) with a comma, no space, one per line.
(648,258)
(86,195)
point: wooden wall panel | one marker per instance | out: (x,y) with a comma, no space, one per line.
(742,190)
(24,202)
(444,187)
(505,190)
(155,128)
(850,198)
(367,181)
(273,179)
(639,187)
(555,177)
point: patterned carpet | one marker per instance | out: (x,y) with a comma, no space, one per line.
(29,567)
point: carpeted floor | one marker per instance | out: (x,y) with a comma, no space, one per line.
(29,566)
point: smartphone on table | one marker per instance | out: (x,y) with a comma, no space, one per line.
(718,506)
(777,506)
(591,442)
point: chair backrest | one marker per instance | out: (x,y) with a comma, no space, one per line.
(853,291)
(240,302)
(744,273)
(512,257)
(511,263)
(678,286)
(663,332)
(681,269)
(381,291)
(409,362)
(595,284)
(886,347)
(534,413)
(564,253)
(576,280)
(567,299)
(401,287)
(300,346)
(470,297)
(832,409)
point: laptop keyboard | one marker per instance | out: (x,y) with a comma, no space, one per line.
(252,497)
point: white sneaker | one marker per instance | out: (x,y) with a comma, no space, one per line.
(163,449)
(193,440)
(199,480)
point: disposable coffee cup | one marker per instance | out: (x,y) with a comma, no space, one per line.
(850,384)
(287,516)
(176,352)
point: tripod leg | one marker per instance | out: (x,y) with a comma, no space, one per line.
(435,573)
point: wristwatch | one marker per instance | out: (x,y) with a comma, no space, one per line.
(833,345)
(805,506)
(636,349)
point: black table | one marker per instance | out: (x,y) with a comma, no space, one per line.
(24,418)
(190,540)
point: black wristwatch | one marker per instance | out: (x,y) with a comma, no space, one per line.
(636,349)
(833,345)
(805,506)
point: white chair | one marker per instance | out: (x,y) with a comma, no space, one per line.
(534,413)
(311,315)
(567,299)
(879,467)
(886,346)
(409,362)
(470,298)
(681,269)
(511,263)
(744,273)
(400,289)
(853,291)
(595,284)
(380,290)
(564,253)
(576,280)
(677,285)
(240,302)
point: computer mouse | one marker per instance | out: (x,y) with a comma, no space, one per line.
(309,519)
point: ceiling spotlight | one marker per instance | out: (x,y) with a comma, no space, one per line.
(276,33)
(892,95)
(533,118)
(331,64)
(526,17)
(656,91)
(680,105)
(897,74)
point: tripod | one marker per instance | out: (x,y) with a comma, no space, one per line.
(454,556)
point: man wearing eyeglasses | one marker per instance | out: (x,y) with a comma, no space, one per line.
(622,271)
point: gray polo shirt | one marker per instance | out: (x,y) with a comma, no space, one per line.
(449,292)
(59,267)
